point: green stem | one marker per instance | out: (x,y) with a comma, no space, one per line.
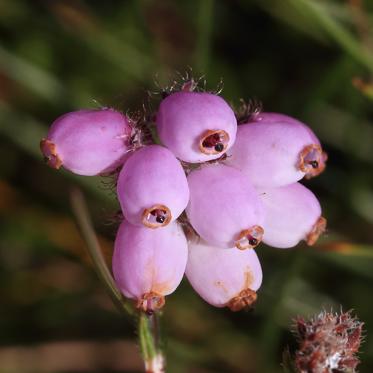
(85,225)
(149,338)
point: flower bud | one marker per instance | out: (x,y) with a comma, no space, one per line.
(293,213)
(87,142)
(149,264)
(224,277)
(276,150)
(224,207)
(152,187)
(196,127)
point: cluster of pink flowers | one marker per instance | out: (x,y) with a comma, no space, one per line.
(200,201)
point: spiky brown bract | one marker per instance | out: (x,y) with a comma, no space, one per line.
(328,343)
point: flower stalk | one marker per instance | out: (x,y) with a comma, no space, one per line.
(150,343)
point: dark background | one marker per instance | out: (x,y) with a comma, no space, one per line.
(310,59)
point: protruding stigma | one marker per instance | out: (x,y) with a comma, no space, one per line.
(150,302)
(245,299)
(318,228)
(156,216)
(250,238)
(214,142)
(312,160)
(49,150)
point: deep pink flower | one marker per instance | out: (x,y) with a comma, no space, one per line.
(152,187)
(149,264)
(196,127)
(275,150)
(87,142)
(224,208)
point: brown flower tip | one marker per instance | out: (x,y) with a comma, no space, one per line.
(250,238)
(214,142)
(312,160)
(245,299)
(156,216)
(328,343)
(150,302)
(317,230)
(48,148)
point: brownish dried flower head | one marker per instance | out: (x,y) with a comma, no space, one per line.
(328,343)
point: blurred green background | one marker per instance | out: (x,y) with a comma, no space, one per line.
(311,59)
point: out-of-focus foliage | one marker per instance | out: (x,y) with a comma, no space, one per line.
(312,59)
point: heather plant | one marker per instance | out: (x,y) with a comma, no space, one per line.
(309,59)
(210,183)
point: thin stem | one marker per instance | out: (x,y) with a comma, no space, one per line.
(155,319)
(149,338)
(85,225)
